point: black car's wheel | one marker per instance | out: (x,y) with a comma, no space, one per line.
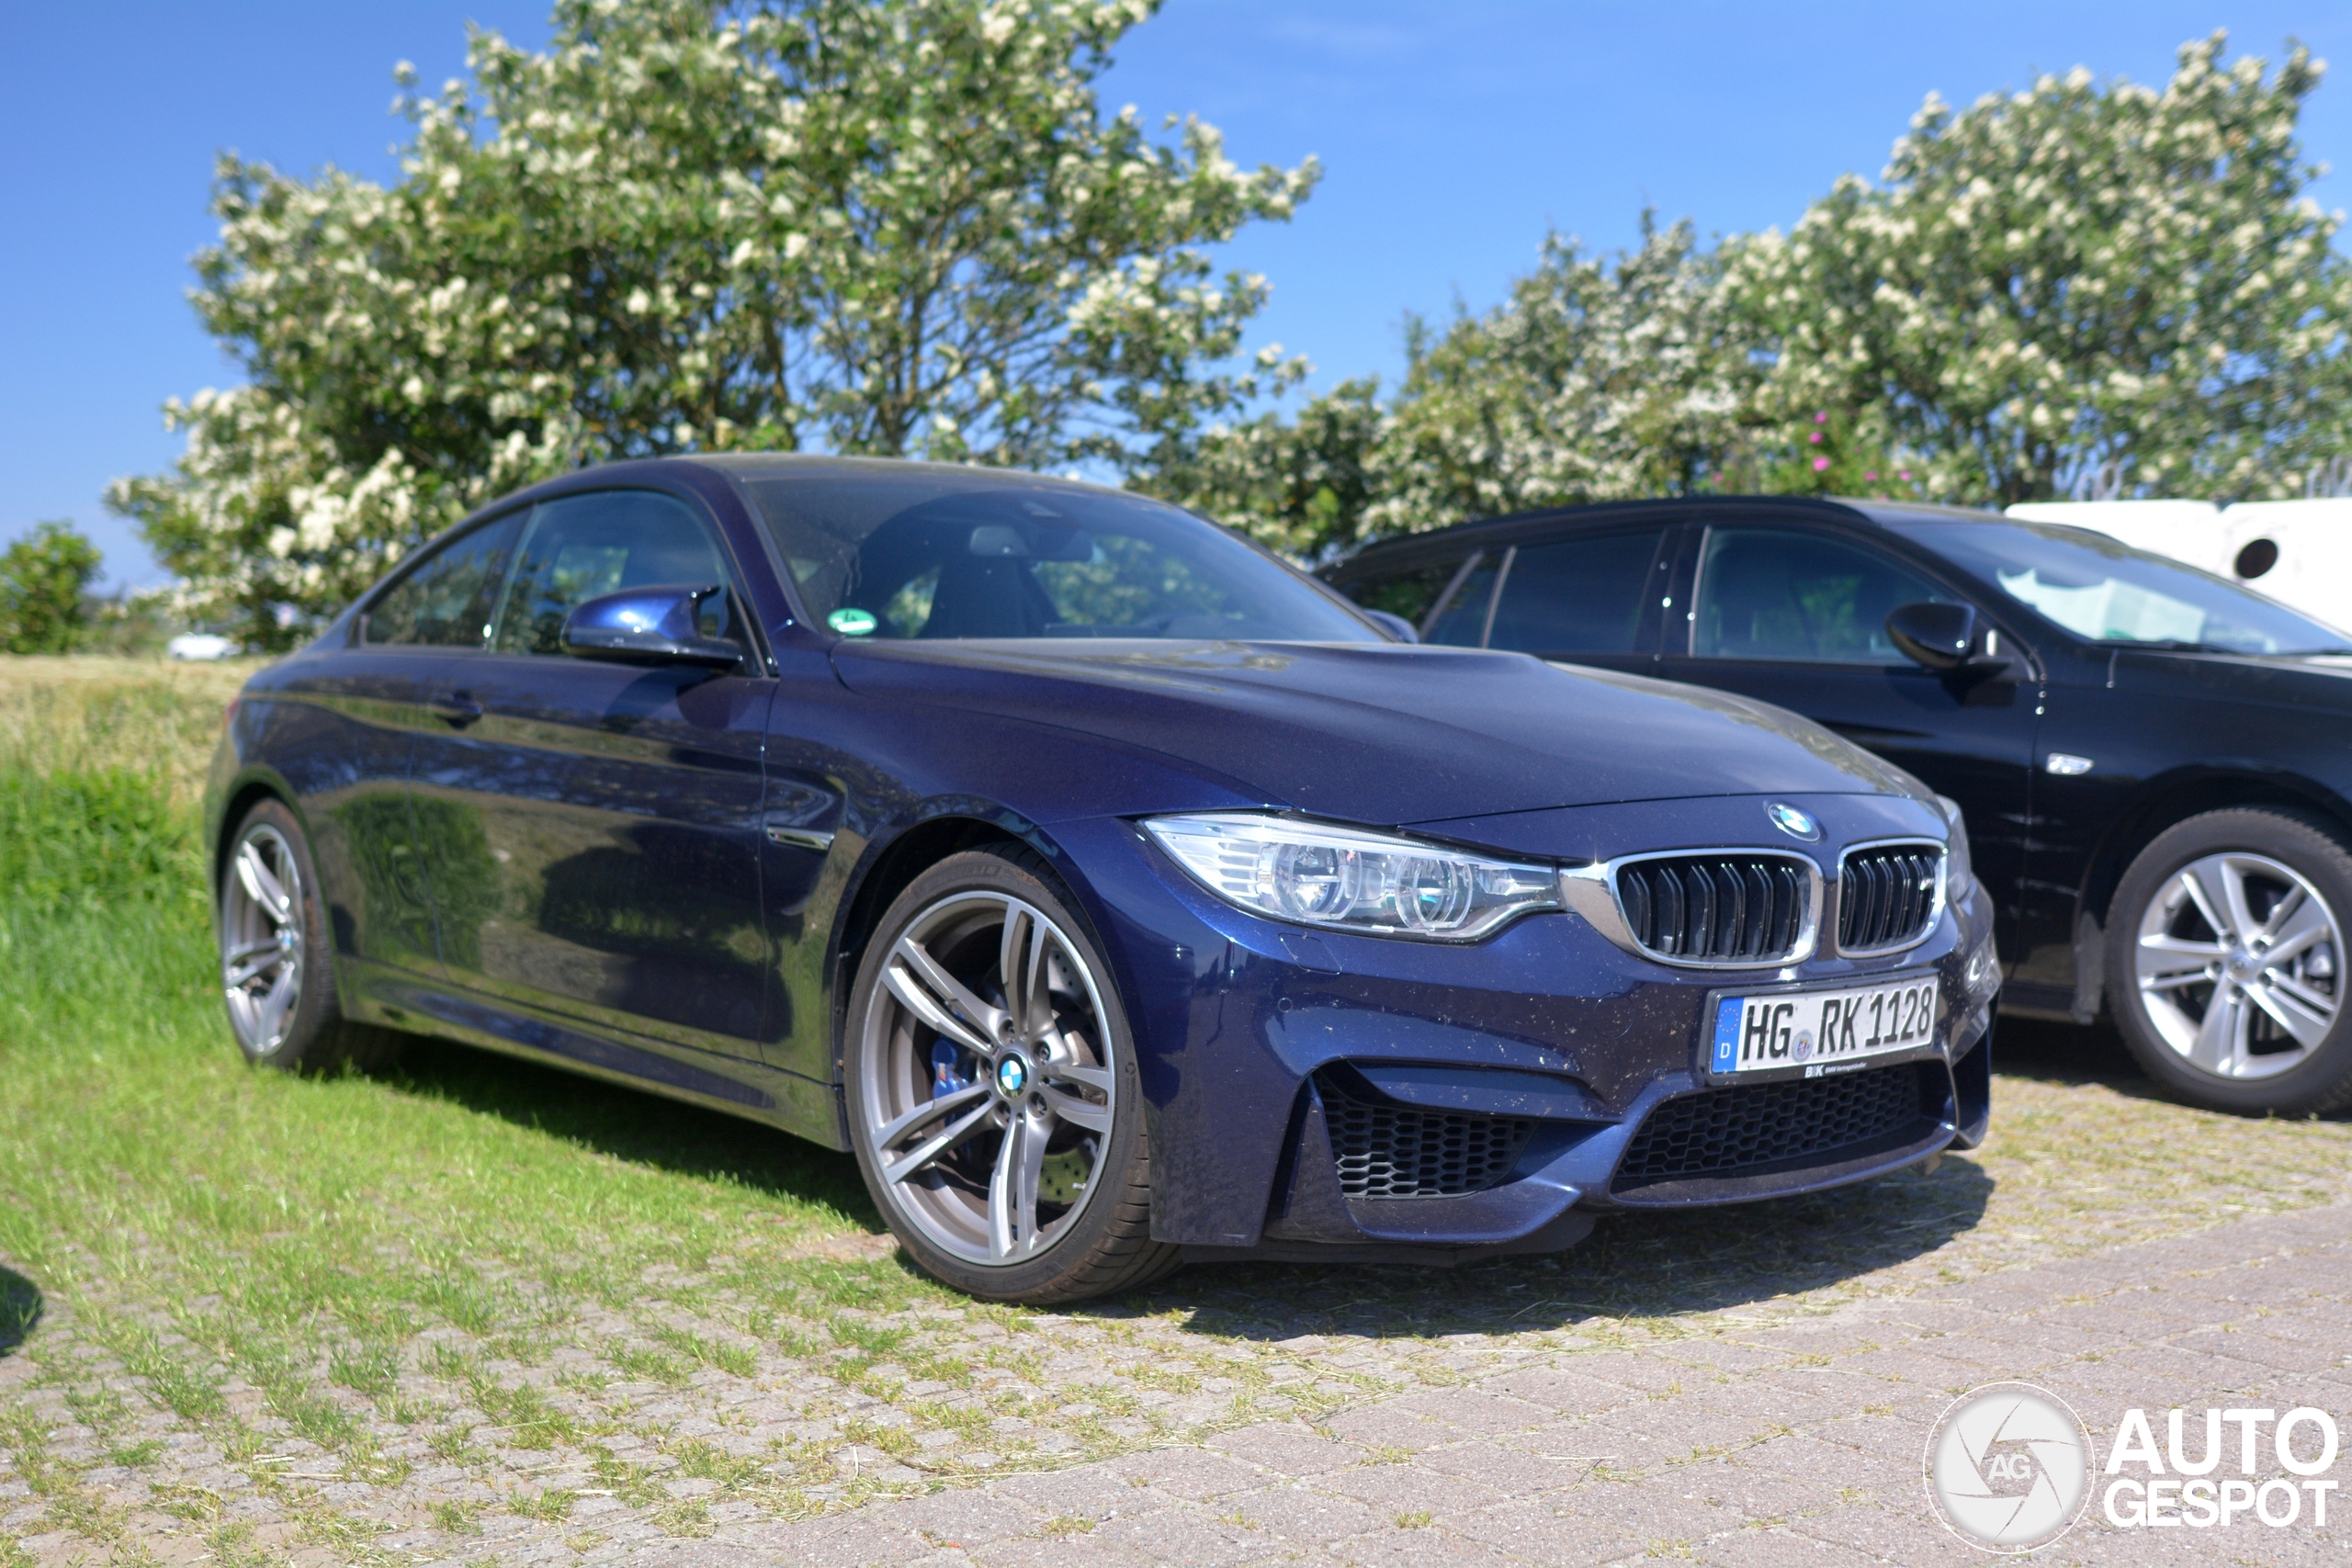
(2225,959)
(276,971)
(991,1089)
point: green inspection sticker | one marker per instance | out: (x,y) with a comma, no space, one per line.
(851,622)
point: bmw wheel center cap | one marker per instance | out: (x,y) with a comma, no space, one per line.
(1011,1076)
(1793,821)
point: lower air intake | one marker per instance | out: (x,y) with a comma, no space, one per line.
(1386,1150)
(1727,1131)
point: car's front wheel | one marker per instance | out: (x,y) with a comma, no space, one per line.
(992,1092)
(2225,961)
(277,974)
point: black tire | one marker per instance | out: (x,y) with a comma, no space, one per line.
(2276,1071)
(1103,1243)
(303,1031)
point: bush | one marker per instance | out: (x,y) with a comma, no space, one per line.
(42,580)
(94,839)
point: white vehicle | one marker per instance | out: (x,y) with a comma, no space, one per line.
(202,646)
(2298,553)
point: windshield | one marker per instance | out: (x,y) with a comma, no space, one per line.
(2103,589)
(925,554)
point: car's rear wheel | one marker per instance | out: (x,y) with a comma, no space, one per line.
(2225,961)
(276,976)
(993,1092)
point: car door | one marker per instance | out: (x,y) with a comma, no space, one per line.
(1595,596)
(1796,615)
(602,857)
(350,734)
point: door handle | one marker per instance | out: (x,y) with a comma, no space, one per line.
(457,710)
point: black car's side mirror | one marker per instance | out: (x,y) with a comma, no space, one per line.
(1396,626)
(1941,636)
(659,625)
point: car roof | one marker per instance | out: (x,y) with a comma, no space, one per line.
(1517,525)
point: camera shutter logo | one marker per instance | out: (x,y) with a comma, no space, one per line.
(2008,1467)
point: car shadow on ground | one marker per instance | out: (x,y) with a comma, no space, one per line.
(21,1310)
(2072,1055)
(1633,1266)
(2078,1055)
(632,1124)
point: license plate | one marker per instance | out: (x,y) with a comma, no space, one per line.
(1820,1031)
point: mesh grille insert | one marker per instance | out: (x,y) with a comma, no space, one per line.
(1723,909)
(1885,897)
(1726,1131)
(1397,1151)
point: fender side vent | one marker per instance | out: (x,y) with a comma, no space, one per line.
(1385,1150)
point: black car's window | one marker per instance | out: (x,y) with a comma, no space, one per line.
(1411,592)
(1581,595)
(1776,593)
(954,555)
(583,545)
(2103,589)
(445,600)
(1459,619)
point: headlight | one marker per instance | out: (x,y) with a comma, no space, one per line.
(1960,870)
(1351,881)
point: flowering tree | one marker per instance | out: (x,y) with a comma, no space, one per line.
(1595,380)
(2044,283)
(2070,276)
(898,227)
(1592,382)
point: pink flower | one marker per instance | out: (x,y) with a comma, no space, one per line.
(1819,463)
(1871,475)
(1814,438)
(1821,418)
(1903,474)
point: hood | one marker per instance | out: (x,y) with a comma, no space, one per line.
(1385,733)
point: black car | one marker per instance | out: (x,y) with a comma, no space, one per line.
(1117,893)
(2155,764)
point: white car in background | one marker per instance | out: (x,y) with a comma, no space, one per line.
(2296,552)
(202,646)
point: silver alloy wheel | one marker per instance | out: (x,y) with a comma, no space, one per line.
(2239,961)
(987,1079)
(261,939)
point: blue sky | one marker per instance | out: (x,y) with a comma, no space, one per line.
(1453,136)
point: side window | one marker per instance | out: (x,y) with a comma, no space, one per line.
(445,600)
(1408,591)
(1581,595)
(1771,594)
(1459,619)
(583,545)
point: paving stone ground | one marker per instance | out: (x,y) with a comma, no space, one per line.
(1799,1444)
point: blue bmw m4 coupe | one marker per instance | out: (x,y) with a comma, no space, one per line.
(1119,894)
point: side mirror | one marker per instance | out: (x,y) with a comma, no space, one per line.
(1396,626)
(649,626)
(1941,636)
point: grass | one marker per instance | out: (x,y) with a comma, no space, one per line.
(555,1289)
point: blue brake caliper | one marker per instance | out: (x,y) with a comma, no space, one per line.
(946,1069)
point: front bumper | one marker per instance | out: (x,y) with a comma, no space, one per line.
(1266,1050)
